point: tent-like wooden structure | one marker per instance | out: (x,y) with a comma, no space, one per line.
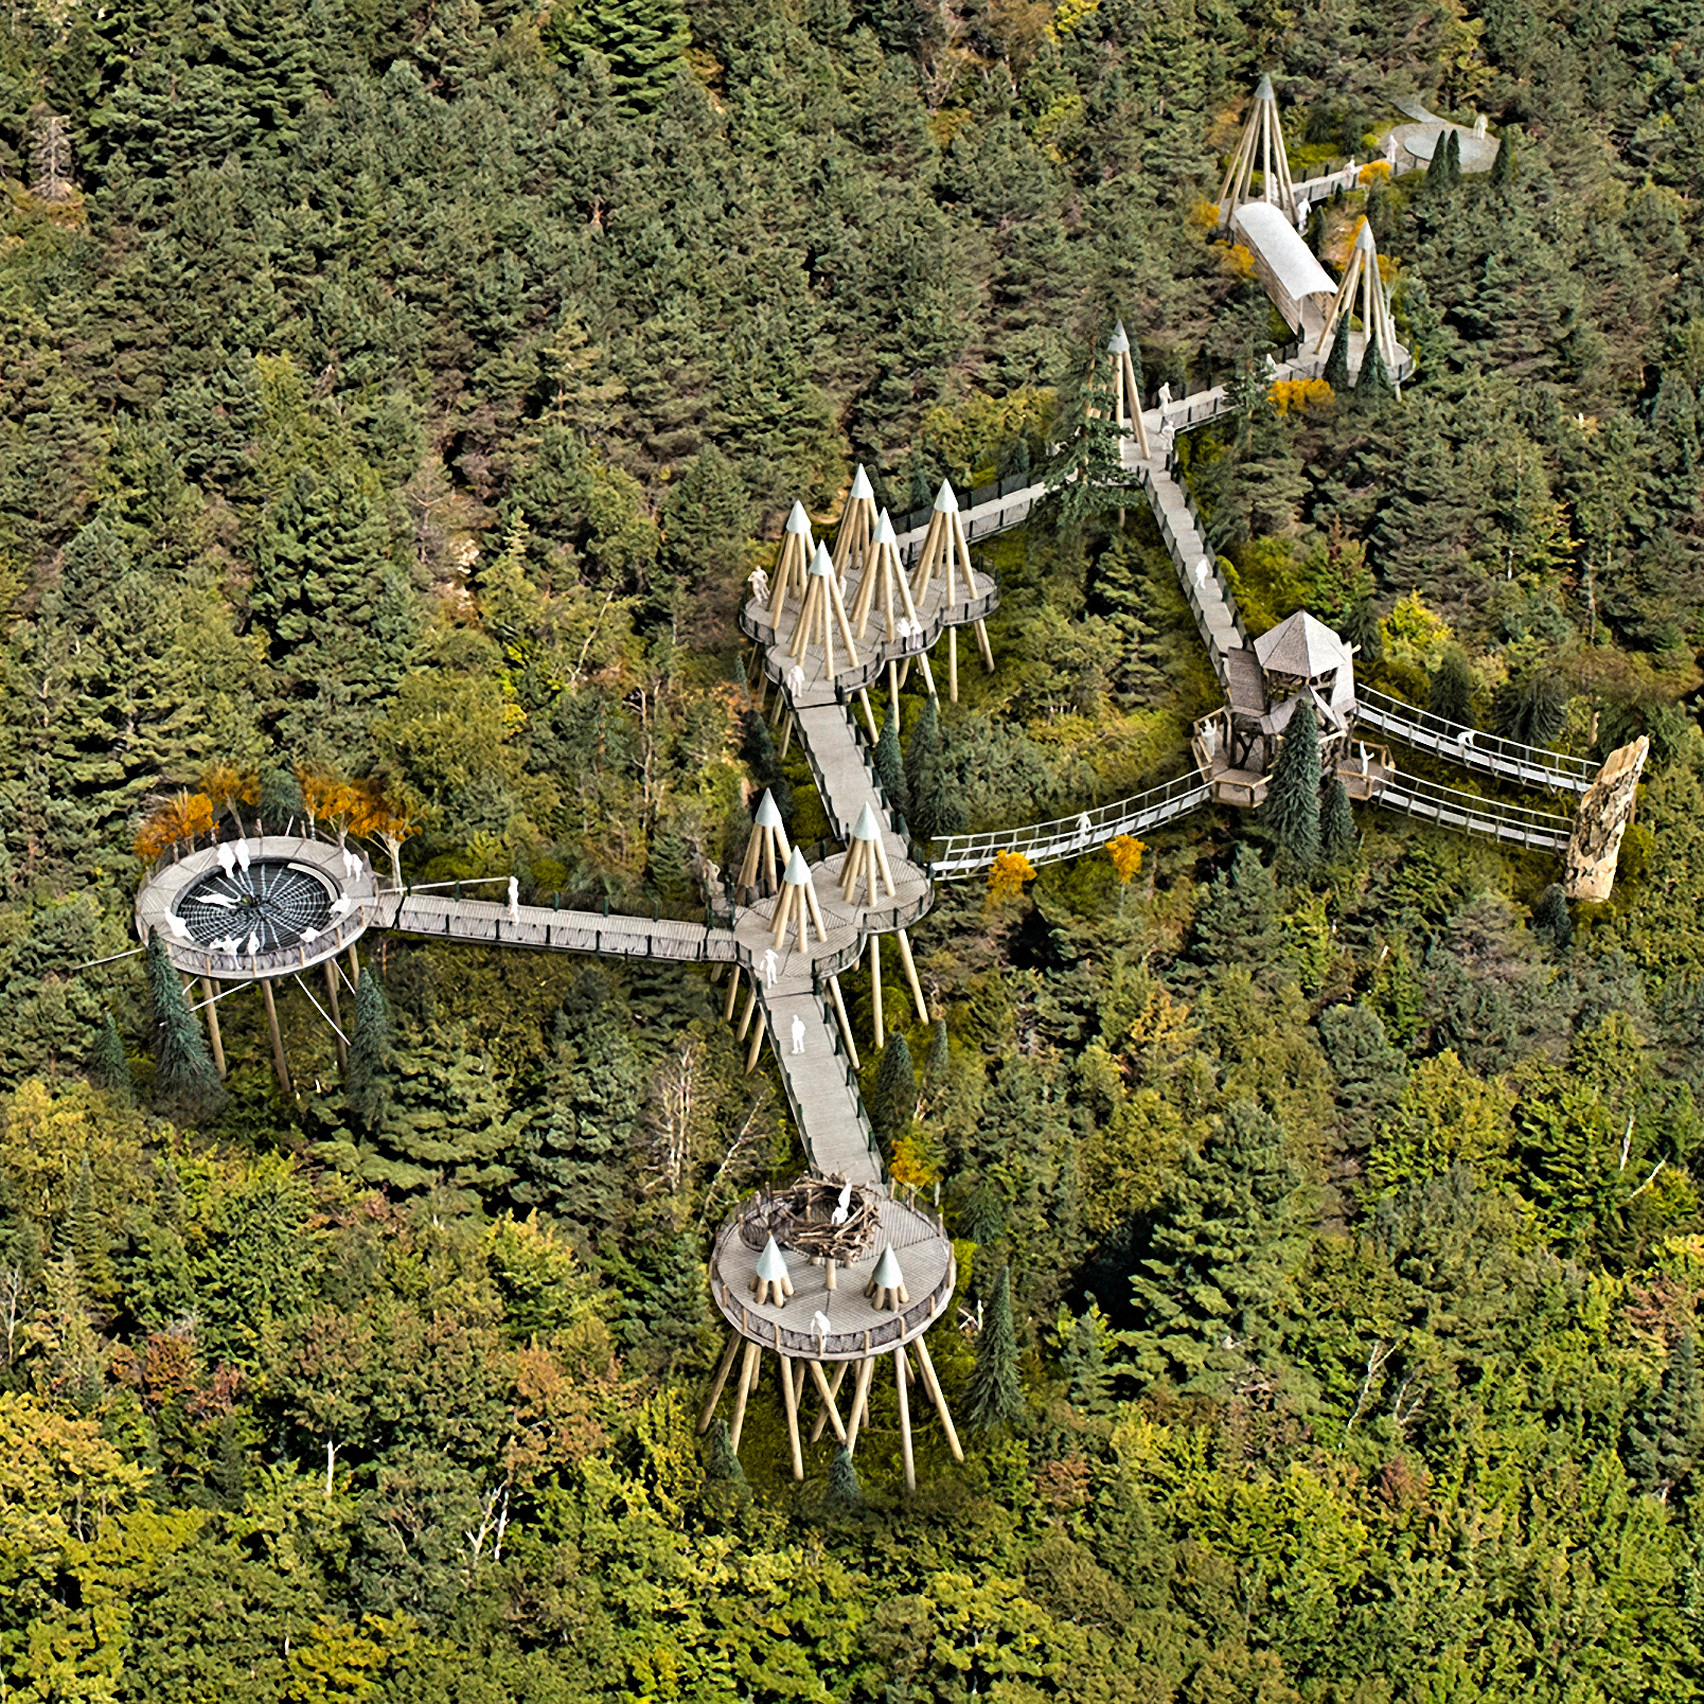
(797,548)
(1260,148)
(1126,396)
(1361,279)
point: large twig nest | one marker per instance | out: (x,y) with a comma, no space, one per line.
(801,1219)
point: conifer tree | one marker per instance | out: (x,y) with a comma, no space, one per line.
(1225,1238)
(935,808)
(1503,163)
(721,1463)
(186,1086)
(280,798)
(1083,1359)
(1336,822)
(1291,811)
(844,1492)
(893,1102)
(1551,919)
(370,1044)
(1665,1438)
(939,1062)
(87,1235)
(1336,372)
(109,1069)
(1452,159)
(1373,382)
(1238,922)
(758,749)
(890,765)
(995,1394)
(1451,693)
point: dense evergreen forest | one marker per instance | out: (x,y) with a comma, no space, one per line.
(399,394)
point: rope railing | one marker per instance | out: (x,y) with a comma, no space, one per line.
(1472,746)
(1451,808)
(1066,837)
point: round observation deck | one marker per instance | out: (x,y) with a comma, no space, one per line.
(255,909)
(799,1219)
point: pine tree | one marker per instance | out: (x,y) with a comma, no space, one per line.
(1225,1238)
(721,1463)
(844,1492)
(367,1086)
(1664,1440)
(1083,1359)
(995,1394)
(281,799)
(1370,1072)
(1532,707)
(1337,838)
(1238,921)
(1552,922)
(938,1065)
(1337,362)
(757,747)
(186,1087)
(1451,693)
(893,1101)
(109,1069)
(935,808)
(1373,382)
(88,1239)
(890,765)
(1503,163)
(1291,811)
(1452,159)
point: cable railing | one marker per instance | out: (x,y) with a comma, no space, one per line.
(1067,837)
(1536,765)
(614,936)
(1451,808)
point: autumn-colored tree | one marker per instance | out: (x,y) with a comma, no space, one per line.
(183,817)
(1007,875)
(1125,851)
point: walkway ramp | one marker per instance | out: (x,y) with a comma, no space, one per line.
(1513,825)
(820,1084)
(1069,837)
(494,924)
(1531,766)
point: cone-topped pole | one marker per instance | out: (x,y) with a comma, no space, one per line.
(797,902)
(1260,148)
(773,1283)
(884,580)
(1126,394)
(766,852)
(797,548)
(822,614)
(886,1287)
(857,528)
(866,860)
(1362,275)
(946,553)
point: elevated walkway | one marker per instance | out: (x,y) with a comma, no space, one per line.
(1531,766)
(1513,825)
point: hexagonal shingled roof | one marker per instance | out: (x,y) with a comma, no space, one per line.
(1303,647)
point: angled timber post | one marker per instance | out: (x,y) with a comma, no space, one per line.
(796,550)
(1260,147)
(1126,394)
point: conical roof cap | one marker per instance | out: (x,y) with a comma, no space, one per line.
(1264,92)
(797,520)
(862,490)
(822,563)
(1120,344)
(887,1275)
(945,502)
(866,827)
(798,872)
(884,529)
(1364,239)
(768,812)
(771,1267)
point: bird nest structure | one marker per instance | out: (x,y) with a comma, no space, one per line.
(820,1218)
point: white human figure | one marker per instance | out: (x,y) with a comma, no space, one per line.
(796,679)
(226,860)
(177,926)
(253,944)
(771,967)
(821,1326)
(342,906)
(1165,400)
(798,1033)
(1351,173)
(1466,739)
(242,852)
(1390,150)
(842,1204)
(1361,747)
(229,945)
(1203,569)
(1084,826)
(1479,125)
(759,583)
(1210,738)
(514,900)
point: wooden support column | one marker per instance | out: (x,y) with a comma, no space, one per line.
(983,645)
(876,988)
(748,1383)
(723,1368)
(733,996)
(786,735)
(952,664)
(911,975)
(869,714)
(745,1016)
(933,1385)
(860,1400)
(893,685)
(280,1063)
(829,1392)
(756,1042)
(212,1010)
(790,1398)
(904,1418)
(845,1022)
(354,967)
(336,1017)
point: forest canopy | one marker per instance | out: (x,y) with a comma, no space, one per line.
(393,400)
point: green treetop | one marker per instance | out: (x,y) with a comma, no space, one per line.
(1291,810)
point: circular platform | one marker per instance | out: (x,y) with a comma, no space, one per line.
(856,1328)
(252,910)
